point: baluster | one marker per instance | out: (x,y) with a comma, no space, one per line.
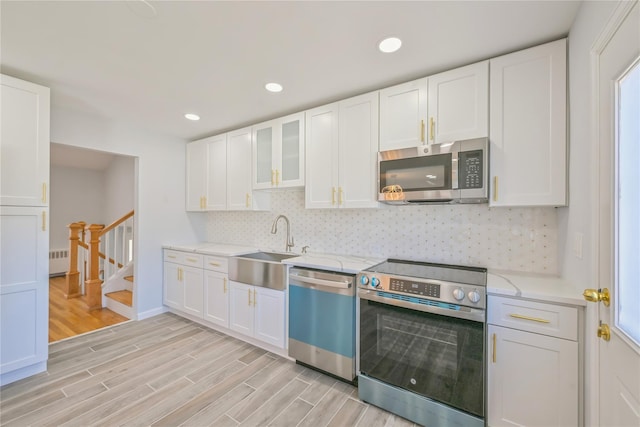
(72,276)
(94,284)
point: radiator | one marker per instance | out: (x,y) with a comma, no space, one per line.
(58,261)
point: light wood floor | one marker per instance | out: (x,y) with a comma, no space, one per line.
(71,317)
(169,371)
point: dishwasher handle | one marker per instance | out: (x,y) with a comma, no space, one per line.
(341,284)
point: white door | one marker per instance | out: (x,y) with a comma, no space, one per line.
(216,298)
(173,295)
(322,157)
(403,115)
(196,175)
(263,148)
(241,312)
(192,284)
(269,316)
(617,70)
(216,188)
(290,152)
(239,169)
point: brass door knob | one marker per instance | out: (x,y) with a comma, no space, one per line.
(604,331)
(594,295)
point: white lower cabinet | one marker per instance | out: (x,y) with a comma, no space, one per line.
(533,373)
(258,312)
(216,298)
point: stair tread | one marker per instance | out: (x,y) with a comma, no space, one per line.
(129,278)
(124,297)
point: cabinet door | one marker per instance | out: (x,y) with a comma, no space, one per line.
(24,287)
(270,316)
(216,298)
(216,192)
(196,175)
(322,157)
(192,285)
(458,104)
(241,311)
(263,146)
(403,115)
(239,170)
(532,379)
(172,280)
(528,95)
(24,143)
(290,152)
(358,152)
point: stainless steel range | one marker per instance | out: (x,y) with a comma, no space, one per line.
(422,335)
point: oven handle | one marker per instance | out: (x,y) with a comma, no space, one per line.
(467,313)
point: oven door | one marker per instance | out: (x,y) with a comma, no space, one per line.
(434,355)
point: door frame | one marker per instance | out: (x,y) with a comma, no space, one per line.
(592,356)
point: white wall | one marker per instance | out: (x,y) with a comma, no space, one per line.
(522,239)
(160,210)
(76,195)
(120,183)
(577,218)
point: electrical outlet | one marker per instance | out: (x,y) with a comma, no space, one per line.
(577,245)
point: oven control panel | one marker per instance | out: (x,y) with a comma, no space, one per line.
(454,293)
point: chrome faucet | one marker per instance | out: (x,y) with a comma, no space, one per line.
(274,230)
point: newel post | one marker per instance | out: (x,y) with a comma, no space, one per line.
(73,275)
(93,286)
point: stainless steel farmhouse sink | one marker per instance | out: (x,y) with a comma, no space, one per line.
(260,269)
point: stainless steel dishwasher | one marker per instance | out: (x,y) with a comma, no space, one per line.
(322,321)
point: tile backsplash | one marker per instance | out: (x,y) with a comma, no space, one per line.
(518,239)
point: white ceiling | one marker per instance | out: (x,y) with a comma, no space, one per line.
(125,62)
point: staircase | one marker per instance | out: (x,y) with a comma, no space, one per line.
(101,268)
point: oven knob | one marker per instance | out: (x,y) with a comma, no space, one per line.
(364,280)
(375,282)
(458,294)
(474,296)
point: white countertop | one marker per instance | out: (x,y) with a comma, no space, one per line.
(210,248)
(332,262)
(534,286)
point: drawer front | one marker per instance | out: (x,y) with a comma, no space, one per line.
(216,263)
(538,317)
(184,258)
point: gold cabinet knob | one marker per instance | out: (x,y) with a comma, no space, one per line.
(604,331)
(598,295)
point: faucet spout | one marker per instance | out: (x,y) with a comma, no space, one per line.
(274,230)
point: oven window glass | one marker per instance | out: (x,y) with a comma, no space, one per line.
(439,357)
(417,173)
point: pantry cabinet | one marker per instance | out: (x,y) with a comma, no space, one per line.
(341,152)
(534,363)
(258,312)
(24,228)
(528,133)
(458,104)
(278,153)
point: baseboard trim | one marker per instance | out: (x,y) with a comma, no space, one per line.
(19,374)
(151,313)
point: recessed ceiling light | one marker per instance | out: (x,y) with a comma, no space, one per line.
(390,44)
(273,87)
(191,116)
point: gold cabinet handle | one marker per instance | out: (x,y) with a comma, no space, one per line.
(493,356)
(533,319)
(432,129)
(333,195)
(247,200)
(273,179)
(340,194)
(255,298)
(44,192)
(421,130)
(179,274)
(277,177)
(215,264)
(171,256)
(597,295)
(224,285)
(249,296)
(44,220)
(192,260)
(604,331)
(495,188)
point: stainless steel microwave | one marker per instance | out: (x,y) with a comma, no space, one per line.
(454,172)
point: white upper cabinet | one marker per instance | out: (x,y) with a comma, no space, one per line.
(403,115)
(341,150)
(458,104)
(278,153)
(24,143)
(239,193)
(528,134)
(207,174)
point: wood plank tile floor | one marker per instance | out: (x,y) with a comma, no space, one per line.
(169,371)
